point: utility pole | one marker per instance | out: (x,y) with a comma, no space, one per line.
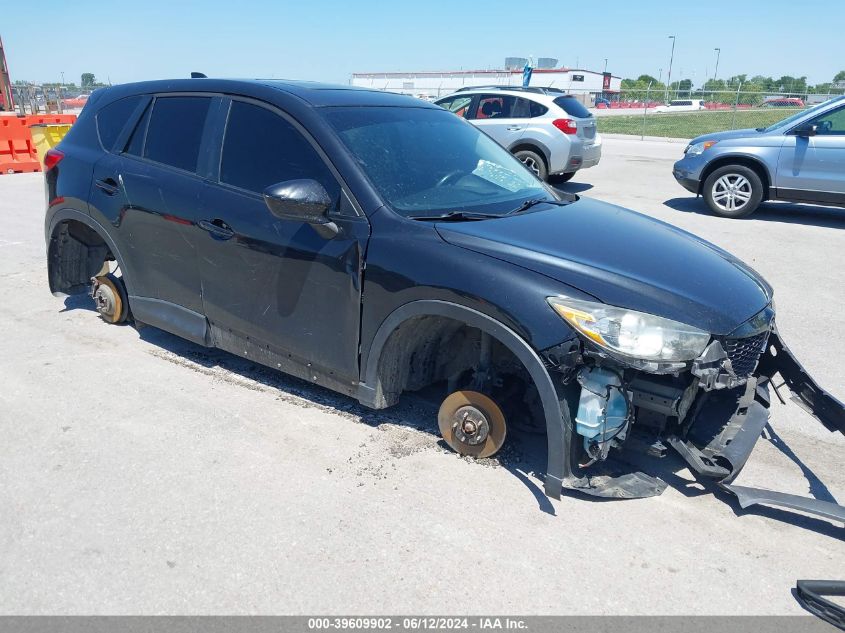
(718,54)
(605,64)
(671,59)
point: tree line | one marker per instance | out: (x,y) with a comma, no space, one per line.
(786,85)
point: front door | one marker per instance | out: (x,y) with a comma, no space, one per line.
(280,285)
(812,168)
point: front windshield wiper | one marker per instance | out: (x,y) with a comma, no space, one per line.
(456,216)
(535,201)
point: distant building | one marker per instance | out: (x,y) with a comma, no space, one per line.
(588,83)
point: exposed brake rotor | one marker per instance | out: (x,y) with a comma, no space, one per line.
(472,424)
(108,298)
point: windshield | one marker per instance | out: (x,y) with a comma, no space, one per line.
(792,119)
(428,162)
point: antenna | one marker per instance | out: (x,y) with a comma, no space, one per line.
(196,75)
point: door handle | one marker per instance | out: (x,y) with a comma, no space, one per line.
(107,185)
(514,128)
(217,228)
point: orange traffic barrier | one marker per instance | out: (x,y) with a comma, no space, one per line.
(42,119)
(17,153)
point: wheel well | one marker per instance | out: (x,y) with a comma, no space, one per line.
(429,349)
(532,148)
(751,163)
(75,254)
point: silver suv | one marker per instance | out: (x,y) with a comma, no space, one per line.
(799,159)
(551,132)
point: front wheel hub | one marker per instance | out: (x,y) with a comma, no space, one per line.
(472,424)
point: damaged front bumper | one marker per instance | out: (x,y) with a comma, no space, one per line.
(718,451)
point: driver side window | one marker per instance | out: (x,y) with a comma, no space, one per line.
(260,149)
(831,124)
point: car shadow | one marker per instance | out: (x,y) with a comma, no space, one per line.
(524,455)
(785,212)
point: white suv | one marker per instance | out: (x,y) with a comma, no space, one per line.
(551,132)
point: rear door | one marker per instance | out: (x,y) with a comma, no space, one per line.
(502,117)
(280,284)
(813,168)
(160,185)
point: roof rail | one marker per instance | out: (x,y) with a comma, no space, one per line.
(535,89)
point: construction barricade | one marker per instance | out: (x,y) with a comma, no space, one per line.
(19,152)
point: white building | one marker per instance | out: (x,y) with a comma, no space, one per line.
(436,84)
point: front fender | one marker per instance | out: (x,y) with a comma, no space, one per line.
(558,467)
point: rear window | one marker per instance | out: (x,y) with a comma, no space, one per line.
(175,131)
(112,118)
(573,107)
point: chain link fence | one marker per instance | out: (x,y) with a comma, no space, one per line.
(685,115)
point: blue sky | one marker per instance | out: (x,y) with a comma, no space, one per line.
(327,41)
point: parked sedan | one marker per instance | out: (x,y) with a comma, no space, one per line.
(799,159)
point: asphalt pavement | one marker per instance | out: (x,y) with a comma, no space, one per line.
(142,474)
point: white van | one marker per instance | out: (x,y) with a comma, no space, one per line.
(682,105)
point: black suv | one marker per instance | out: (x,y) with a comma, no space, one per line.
(375,244)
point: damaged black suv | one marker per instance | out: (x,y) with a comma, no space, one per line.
(376,244)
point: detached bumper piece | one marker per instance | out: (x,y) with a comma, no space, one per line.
(810,594)
(722,453)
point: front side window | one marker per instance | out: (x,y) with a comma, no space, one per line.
(425,162)
(175,131)
(260,149)
(832,123)
(458,105)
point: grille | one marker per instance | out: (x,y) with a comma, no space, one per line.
(745,352)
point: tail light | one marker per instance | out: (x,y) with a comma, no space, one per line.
(52,158)
(567,126)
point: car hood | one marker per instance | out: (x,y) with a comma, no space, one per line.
(624,259)
(724,136)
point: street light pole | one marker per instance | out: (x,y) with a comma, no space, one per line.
(605,64)
(671,59)
(718,54)
(63,78)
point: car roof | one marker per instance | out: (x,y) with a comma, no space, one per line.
(531,95)
(313,93)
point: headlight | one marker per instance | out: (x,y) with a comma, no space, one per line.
(636,336)
(699,148)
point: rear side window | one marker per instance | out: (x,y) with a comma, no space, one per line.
(573,107)
(261,148)
(175,130)
(112,118)
(538,109)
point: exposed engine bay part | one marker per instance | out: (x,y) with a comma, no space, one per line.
(472,424)
(715,370)
(810,595)
(110,298)
(603,412)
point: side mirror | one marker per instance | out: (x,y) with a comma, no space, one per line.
(806,129)
(305,200)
